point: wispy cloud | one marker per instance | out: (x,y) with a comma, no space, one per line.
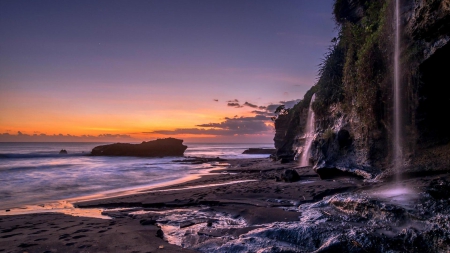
(63,137)
(259,124)
(233,104)
(250,105)
(287,104)
(264,113)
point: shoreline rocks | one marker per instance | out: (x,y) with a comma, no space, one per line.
(155,148)
(259,151)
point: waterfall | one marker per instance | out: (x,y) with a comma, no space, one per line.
(397,140)
(309,135)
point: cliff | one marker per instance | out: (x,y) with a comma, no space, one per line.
(156,148)
(354,93)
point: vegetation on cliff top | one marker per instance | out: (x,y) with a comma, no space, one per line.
(354,70)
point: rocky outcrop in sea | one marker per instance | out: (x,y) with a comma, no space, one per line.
(156,148)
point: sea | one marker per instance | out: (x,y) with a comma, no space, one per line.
(35,173)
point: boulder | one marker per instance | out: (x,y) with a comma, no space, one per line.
(290,175)
(156,148)
(63,152)
(259,151)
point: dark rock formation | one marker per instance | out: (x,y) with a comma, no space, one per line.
(290,175)
(439,189)
(353,105)
(260,151)
(351,10)
(344,139)
(287,128)
(284,139)
(63,152)
(199,160)
(156,148)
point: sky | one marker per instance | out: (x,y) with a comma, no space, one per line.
(198,70)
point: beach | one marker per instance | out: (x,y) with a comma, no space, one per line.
(246,188)
(204,213)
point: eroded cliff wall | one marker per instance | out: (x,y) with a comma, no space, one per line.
(354,107)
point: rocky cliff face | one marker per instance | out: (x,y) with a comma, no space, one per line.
(354,107)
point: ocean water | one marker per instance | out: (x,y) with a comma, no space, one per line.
(35,173)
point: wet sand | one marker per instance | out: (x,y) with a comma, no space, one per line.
(248,189)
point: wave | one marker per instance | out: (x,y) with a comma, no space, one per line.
(36,168)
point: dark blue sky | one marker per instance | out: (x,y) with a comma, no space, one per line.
(143,57)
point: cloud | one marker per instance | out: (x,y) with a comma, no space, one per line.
(287,105)
(250,105)
(62,137)
(233,101)
(264,113)
(272,107)
(232,104)
(290,103)
(217,100)
(258,124)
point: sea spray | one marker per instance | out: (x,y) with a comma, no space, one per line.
(309,135)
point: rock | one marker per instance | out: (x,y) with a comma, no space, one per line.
(290,175)
(260,151)
(349,10)
(156,148)
(336,172)
(199,160)
(145,222)
(439,189)
(361,112)
(160,234)
(286,159)
(344,138)
(63,152)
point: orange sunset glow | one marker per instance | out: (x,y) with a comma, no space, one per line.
(88,77)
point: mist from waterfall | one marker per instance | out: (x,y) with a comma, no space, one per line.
(397,139)
(309,135)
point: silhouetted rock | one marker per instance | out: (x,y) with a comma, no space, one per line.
(63,152)
(259,151)
(156,148)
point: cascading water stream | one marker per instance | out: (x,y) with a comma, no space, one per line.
(397,192)
(309,135)
(397,140)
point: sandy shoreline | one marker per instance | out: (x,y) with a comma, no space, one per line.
(248,192)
